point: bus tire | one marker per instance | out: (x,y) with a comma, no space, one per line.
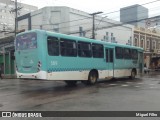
(71,82)
(133,74)
(92,78)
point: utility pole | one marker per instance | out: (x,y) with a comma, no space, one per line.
(93,26)
(16,25)
(16,15)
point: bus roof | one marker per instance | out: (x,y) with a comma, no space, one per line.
(81,39)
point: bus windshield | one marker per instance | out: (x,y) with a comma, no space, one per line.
(26,41)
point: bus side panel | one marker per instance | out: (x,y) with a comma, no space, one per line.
(123,67)
(72,68)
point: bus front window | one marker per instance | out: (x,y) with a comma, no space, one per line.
(26,41)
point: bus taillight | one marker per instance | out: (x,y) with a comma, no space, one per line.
(39,66)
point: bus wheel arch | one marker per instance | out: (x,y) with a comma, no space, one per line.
(133,73)
(92,77)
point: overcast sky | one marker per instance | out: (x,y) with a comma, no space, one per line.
(91,6)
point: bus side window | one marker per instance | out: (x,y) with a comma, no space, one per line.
(68,48)
(53,46)
(127,53)
(84,49)
(97,50)
(134,54)
(119,53)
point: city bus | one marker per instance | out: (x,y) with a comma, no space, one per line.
(47,55)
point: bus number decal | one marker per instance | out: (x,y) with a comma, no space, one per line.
(54,63)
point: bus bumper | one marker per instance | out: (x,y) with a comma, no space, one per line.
(38,75)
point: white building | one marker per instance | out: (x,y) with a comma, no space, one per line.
(71,21)
(7,14)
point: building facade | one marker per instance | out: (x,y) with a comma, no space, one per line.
(149,39)
(74,22)
(7,14)
(7,26)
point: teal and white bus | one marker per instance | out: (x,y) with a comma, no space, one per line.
(53,56)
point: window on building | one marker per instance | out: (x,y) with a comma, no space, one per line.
(53,46)
(148,44)
(119,53)
(153,45)
(141,45)
(136,42)
(97,50)
(84,49)
(159,45)
(68,48)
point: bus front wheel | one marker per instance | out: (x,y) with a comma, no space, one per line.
(133,74)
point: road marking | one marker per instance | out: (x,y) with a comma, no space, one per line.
(140,83)
(136,86)
(124,85)
(129,82)
(151,84)
(153,87)
(112,84)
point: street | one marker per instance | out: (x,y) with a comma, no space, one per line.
(141,94)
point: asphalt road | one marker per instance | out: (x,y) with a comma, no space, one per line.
(141,94)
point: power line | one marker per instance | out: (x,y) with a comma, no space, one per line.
(89,18)
(82,24)
(79,19)
(102,14)
(104,27)
(115,25)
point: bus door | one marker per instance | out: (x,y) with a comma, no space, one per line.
(109,62)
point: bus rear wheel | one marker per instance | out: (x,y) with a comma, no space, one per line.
(133,74)
(92,78)
(71,82)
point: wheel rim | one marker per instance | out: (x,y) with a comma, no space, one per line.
(93,78)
